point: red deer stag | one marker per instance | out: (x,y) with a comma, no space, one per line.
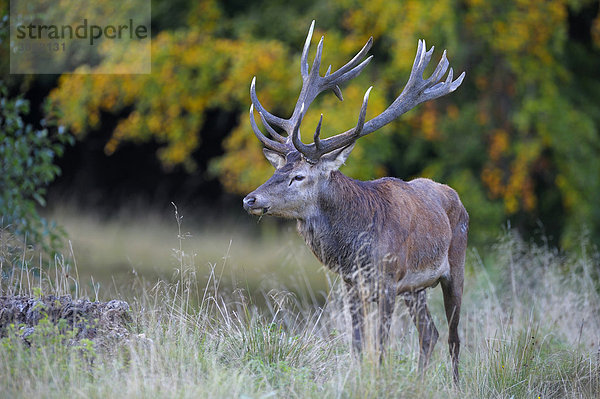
(394,236)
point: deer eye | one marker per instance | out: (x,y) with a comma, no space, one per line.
(297,178)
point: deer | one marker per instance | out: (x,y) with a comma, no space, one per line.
(394,237)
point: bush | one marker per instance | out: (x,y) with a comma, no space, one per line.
(27,158)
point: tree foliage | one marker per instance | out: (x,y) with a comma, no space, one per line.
(27,158)
(519,140)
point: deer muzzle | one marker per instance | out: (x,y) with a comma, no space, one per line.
(254,205)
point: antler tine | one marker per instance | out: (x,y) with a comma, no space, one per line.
(353,72)
(444,88)
(440,70)
(363,113)
(421,61)
(347,72)
(314,70)
(304,59)
(271,144)
(310,84)
(316,137)
(352,63)
(267,115)
(271,131)
(432,87)
(419,55)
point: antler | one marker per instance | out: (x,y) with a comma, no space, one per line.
(416,91)
(312,85)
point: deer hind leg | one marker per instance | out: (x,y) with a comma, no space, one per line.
(452,288)
(452,302)
(428,334)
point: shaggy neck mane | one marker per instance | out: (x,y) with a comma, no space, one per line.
(360,202)
(340,194)
(349,212)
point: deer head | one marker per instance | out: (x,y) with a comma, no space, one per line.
(303,170)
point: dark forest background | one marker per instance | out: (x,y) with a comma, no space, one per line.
(519,140)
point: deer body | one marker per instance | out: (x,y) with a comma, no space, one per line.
(385,237)
(402,228)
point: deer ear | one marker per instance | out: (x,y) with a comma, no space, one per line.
(275,158)
(335,159)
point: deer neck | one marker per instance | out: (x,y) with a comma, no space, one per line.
(327,230)
(335,200)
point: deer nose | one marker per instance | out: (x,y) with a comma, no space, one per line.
(249,201)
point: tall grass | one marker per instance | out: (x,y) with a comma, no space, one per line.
(530,328)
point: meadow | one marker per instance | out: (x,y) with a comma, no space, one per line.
(220,310)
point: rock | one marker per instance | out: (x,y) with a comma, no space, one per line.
(98,321)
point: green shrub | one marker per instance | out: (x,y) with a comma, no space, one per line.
(27,157)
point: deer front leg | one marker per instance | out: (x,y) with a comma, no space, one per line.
(387,299)
(428,334)
(357,314)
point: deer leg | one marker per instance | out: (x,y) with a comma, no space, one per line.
(452,303)
(387,300)
(357,314)
(452,289)
(428,334)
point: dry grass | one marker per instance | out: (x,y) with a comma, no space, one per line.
(530,328)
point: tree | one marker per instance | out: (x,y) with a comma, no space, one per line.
(519,140)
